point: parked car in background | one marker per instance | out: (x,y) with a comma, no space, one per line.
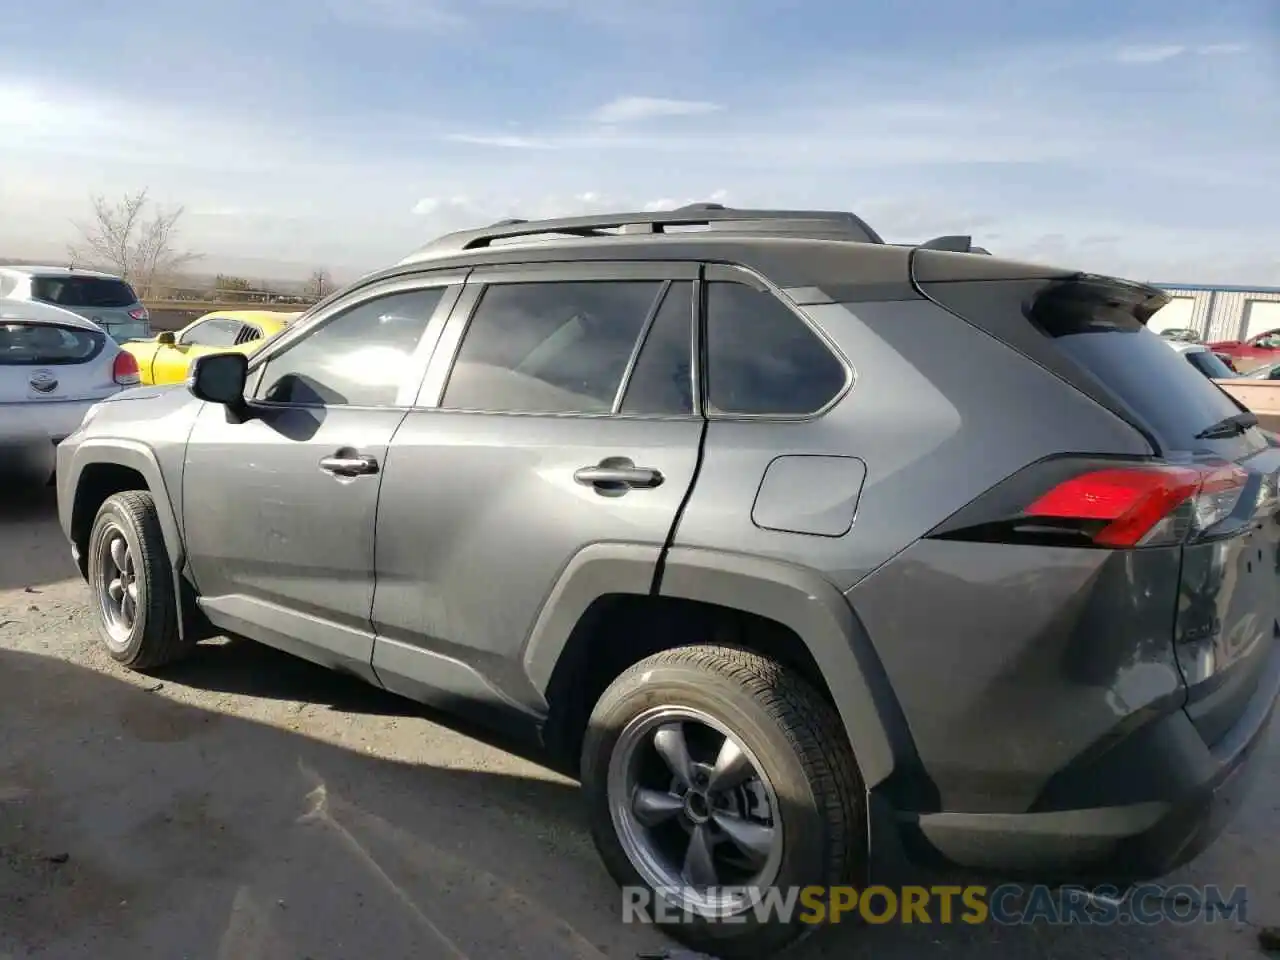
(54,365)
(106,300)
(719,519)
(166,357)
(1254,352)
(1184,335)
(1270,371)
(1213,365)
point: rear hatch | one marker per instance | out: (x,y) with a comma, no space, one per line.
(47,363)
(108,302)
(1091,331)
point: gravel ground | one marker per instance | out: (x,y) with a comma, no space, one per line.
(249,806)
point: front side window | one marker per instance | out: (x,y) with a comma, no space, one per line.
(1270,340)
(762,359)
(217,332)
(363,356)
(549,347)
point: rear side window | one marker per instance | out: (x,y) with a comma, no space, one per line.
(71,291)
(41,344)
(558,347)
(1100,327)
(764,360)
(662,382)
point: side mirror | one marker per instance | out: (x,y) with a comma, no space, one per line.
(219,378)
(166,338)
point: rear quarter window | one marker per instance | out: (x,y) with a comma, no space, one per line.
(72,291)
(32,344)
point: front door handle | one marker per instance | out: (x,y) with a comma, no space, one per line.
(618,475)
(349,465)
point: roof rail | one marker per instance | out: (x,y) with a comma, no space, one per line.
(816,224)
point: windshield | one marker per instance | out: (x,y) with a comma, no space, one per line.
(76,291)
(1095,324)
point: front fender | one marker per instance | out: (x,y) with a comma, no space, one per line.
(73,462)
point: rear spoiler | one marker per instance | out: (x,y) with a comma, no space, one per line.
(957,243)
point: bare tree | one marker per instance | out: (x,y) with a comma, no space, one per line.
(138,245)
(319,284)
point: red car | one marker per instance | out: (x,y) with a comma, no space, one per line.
(1254,352)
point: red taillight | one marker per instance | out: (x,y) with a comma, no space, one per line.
(124,369)
(1143,505)
(140,313)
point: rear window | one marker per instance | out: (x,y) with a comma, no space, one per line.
(1101,326)
(102,292)
(1210,364)
(32,344)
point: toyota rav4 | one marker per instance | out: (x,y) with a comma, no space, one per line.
(816,557)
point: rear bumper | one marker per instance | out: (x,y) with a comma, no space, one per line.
(1105,844)
(40,423)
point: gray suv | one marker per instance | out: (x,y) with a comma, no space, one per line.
(108,301)
(817,558)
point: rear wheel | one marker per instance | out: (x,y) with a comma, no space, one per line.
(714,775)
(132,583)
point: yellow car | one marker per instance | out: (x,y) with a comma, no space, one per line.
(166,358)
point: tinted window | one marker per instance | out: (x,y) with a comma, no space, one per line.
(549,347)
(1209,364)
(362,356)
(74,291)
(1100,327)
(218,332)
(24,344)
(762,359)
(661,383)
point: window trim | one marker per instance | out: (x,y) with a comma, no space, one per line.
(450,282)
(664,272)
(722,273)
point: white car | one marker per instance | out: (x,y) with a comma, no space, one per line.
(1203,359)
(54,365)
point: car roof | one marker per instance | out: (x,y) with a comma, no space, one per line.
(281,317)
(36,270)
(31,311)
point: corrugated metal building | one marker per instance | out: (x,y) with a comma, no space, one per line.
(1219,313)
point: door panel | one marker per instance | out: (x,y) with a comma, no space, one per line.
(281,503)
(480,513)
(482,509)
(280,549)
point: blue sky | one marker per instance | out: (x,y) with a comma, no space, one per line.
(1139,137)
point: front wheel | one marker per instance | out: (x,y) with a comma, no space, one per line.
(132,583)
(719,785)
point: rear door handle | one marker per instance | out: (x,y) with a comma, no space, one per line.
(353,465)
(618,474)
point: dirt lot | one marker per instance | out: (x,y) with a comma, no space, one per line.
(248,806)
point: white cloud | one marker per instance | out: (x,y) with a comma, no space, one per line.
(1159,53)
(1150,54)
(634,109)
(1218,49)
(503,141)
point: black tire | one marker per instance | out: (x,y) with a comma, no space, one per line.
(802,751)
(153,639)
